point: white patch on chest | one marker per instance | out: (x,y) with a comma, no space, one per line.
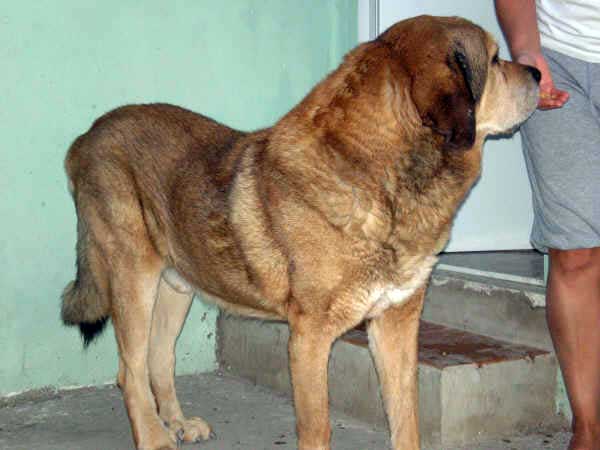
(384,296)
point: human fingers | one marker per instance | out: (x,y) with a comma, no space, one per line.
(551,98)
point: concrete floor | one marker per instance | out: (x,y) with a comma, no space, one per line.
(243,415)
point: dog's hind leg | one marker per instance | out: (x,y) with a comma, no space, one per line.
(134,291)
(393,343)
(170,311)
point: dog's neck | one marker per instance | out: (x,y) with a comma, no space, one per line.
(383,179)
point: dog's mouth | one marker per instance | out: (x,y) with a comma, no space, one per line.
(527,100)
(531,98)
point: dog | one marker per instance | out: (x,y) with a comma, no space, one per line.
(330,218)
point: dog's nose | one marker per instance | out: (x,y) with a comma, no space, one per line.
(535,73)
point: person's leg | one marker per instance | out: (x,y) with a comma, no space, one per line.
(563,163)
(573,312)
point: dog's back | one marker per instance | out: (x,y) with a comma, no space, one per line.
(119,173)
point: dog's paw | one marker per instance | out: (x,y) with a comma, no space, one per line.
(193,429)
(160,438)
(167,441)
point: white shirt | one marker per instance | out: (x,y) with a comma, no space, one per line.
(571,27)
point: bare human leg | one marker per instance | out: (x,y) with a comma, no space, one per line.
(573,313)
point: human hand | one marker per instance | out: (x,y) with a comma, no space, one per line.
(550,96)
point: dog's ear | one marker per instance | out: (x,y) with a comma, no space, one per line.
(446,96)
(472,64)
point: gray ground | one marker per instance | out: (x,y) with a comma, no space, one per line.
(243,415)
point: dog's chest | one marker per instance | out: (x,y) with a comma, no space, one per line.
(383,295)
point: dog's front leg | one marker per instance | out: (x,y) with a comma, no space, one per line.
(309,349)
(393,343)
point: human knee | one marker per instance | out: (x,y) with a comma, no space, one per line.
(574,263)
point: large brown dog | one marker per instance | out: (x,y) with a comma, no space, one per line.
(331,217)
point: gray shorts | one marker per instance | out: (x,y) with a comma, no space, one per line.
(562,154)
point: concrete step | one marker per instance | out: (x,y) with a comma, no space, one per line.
(501,309)
(471,387)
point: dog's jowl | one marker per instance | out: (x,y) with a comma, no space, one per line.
(331,217)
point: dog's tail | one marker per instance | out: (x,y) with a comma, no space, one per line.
(83,302)
(80,307)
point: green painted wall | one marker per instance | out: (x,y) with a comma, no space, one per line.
(63,63)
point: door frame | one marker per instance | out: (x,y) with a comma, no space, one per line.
(368,20)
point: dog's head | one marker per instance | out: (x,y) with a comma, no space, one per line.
(425,77)
(459,86)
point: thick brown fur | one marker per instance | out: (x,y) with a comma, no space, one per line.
(332,216)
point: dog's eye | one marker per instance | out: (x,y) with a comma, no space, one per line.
(496,59)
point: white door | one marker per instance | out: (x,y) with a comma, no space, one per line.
(497,214)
